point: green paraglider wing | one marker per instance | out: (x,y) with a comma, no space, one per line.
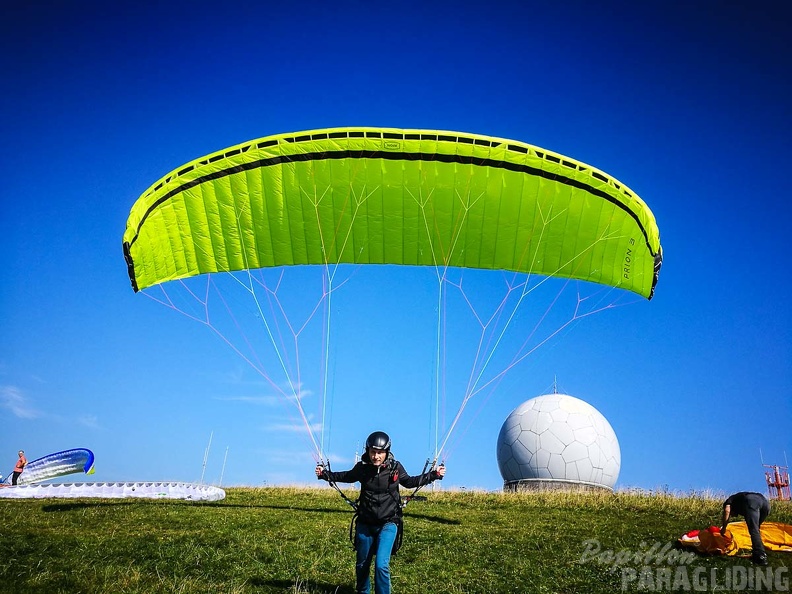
(392,196)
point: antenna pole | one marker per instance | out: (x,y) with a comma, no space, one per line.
(777,478)
(206,456)
(222,472)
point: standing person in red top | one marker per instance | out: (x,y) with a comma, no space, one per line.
(20,466)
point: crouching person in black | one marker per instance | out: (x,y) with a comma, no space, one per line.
(754,507)
(379,508)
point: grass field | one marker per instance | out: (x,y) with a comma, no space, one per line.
(296,540)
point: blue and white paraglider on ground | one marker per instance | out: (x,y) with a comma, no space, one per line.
(30,486)
(55,465)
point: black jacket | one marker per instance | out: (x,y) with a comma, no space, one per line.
(379,500)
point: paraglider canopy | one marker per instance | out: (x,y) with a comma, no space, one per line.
(55,465)
(392,196)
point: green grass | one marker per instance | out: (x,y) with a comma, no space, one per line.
(295,540)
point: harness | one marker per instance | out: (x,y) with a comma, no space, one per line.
(401,502)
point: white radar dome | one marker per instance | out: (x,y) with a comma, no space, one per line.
(558,441)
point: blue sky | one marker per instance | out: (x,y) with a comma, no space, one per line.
(689,106)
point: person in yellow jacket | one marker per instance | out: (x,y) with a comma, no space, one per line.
(20,466)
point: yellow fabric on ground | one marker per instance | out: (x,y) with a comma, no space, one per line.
(775,536)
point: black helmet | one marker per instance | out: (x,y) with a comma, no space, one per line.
(378,440)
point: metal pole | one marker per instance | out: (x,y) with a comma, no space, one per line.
(222,472)
(206,456)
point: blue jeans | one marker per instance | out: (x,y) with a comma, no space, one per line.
(371,541)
